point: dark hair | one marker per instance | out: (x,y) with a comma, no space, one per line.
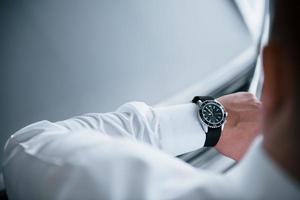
(286,26)
(286,31)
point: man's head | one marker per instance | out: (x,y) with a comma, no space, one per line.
(281,92)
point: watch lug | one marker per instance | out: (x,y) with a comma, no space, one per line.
(199,103)
(222,127)
(204,126)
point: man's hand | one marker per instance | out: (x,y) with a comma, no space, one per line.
(242,126)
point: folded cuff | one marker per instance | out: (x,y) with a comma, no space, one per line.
(180,129)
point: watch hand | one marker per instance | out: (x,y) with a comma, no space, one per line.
(209,111)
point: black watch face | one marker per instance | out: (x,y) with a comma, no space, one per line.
(212,113)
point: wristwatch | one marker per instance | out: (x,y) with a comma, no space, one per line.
(212,117)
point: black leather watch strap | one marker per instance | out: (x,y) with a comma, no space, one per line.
(213,135)
(202,98)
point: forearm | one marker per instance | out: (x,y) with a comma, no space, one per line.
(174,129)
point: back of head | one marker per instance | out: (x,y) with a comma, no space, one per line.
(281,95)
(286,32)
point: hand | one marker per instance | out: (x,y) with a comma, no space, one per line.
(242,126)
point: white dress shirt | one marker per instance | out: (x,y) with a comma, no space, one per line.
(129,154)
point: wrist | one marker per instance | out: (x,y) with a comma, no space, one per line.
(212,116)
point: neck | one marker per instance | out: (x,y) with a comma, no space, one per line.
(285,157)
(282,144)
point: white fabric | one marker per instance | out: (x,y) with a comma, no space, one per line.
(111,156)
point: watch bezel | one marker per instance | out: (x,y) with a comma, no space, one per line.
(212,125)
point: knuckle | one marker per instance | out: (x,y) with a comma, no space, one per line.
(248,95)
(252,96)
(258,104)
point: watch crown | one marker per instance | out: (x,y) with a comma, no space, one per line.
(226,114)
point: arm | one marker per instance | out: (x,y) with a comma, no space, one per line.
(59,159)
(173,129)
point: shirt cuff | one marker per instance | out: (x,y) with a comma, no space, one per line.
(180,129)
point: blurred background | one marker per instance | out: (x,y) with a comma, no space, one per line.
(62,58)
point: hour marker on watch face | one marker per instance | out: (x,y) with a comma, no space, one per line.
(212,113)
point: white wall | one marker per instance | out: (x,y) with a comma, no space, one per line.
(61,58)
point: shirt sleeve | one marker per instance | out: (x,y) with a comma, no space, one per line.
(48,161)
(57,165)
(173,129)
(103,156)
